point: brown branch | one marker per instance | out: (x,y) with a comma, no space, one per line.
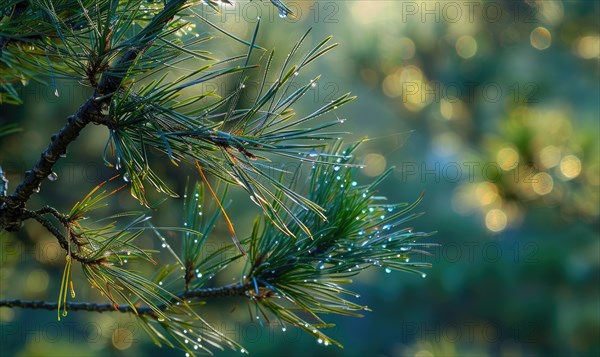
(230,290)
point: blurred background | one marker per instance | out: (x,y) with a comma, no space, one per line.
(489,107)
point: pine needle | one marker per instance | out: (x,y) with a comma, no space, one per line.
(229,224)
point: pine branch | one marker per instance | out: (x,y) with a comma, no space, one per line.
(231,290)
(72,306)
(340,228)
(90,111)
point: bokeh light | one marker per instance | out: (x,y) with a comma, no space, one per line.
(570,167)
(540,38)
(486,193)
(588,47)
(466,46)
(406,48)
(542,183)
(122,338)
(374,164)
(37,281)
(549,156)
(507,158)
(496,220)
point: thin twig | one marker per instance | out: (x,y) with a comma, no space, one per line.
(62,240)
(230,290)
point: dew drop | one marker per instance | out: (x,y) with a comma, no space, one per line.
(56,92)
(53,176)
(423,275)
(313,153)
(336,168)
(388,270)
(296,73)
(282,14)
(126,177)
(354,184)
(313,84)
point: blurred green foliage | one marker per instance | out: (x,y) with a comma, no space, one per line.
(491,108)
